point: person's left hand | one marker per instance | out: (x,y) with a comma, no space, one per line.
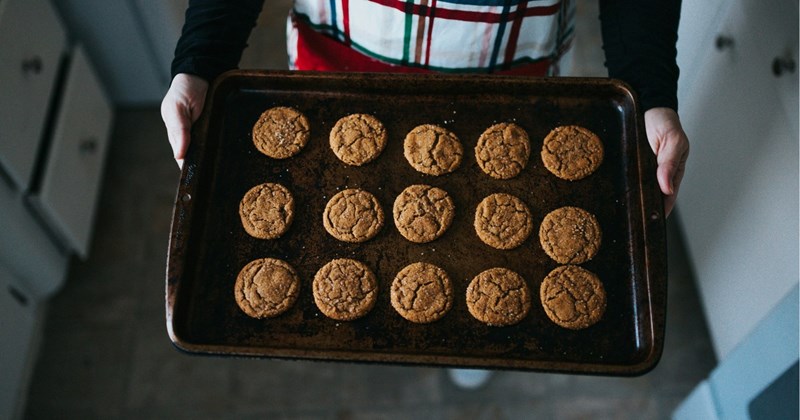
(671,146)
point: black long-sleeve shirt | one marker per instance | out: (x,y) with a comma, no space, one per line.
(639,38)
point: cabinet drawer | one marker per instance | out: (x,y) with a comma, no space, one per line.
(18,325)
(32,42)
(74,166)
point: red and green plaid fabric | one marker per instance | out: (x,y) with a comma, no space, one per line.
(439,35)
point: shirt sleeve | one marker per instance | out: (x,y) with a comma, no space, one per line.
(639,38)
(214,36)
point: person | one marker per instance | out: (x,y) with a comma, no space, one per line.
(489,36)
(518,37)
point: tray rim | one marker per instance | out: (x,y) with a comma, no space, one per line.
(653,224)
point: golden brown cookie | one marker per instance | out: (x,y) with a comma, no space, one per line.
(503,221)
(432,150)
(423,213)
(353,215)
(573,297)
(570,235)
(503,150)
(266,287)
(267,211)
(498,297)
(281,132)
(572,152)
(357,139)
(345,289)
(422,293)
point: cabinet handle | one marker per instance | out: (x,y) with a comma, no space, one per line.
(723,42)
(20,297)
(88,146)
(781,65)
(32,65)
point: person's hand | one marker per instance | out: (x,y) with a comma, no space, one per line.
(180,108)
(671,146)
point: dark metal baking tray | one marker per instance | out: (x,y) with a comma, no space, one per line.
(208,245)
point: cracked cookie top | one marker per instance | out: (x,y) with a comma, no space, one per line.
(433,150)
(570,235)
(498,297)
(572,152)
(353,215)
(423,213)
(503,221)
(266,288)
(281,132)
(573,297)
(422,293)
(345,289)
(267,211)
(503,150)
(357,139)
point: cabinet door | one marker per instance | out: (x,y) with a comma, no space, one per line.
(31,46)
(17,334)
(739,199)
(74,167)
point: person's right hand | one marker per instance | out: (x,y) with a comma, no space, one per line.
(180,108)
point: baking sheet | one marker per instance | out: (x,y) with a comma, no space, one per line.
(208,245)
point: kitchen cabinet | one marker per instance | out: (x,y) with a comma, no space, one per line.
(55,119)
(738,203)
(28,69)
(49,219)
(19,319)
(71,177)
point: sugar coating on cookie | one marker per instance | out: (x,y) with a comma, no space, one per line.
(267,211)
(423,213)
(570,235)
(503,221)
(358,138)
(498,297)
(353,215)
(573,297)
(345,289)
(422,293)
(572,152)
(503,150)
(266,288)
(281,132)
(433,150)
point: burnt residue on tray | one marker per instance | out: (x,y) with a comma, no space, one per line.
(209,246)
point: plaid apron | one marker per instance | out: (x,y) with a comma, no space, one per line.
(464,36)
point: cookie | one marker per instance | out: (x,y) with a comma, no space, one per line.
(573,297)
(423,213)
(432,150)
(422,293)
(570,235)
(572,152)
(345,289)
(503,221)
(498,297)
(267,211)
(281,132)
(357,139)
(353,215)
(266,288)
(503,150)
